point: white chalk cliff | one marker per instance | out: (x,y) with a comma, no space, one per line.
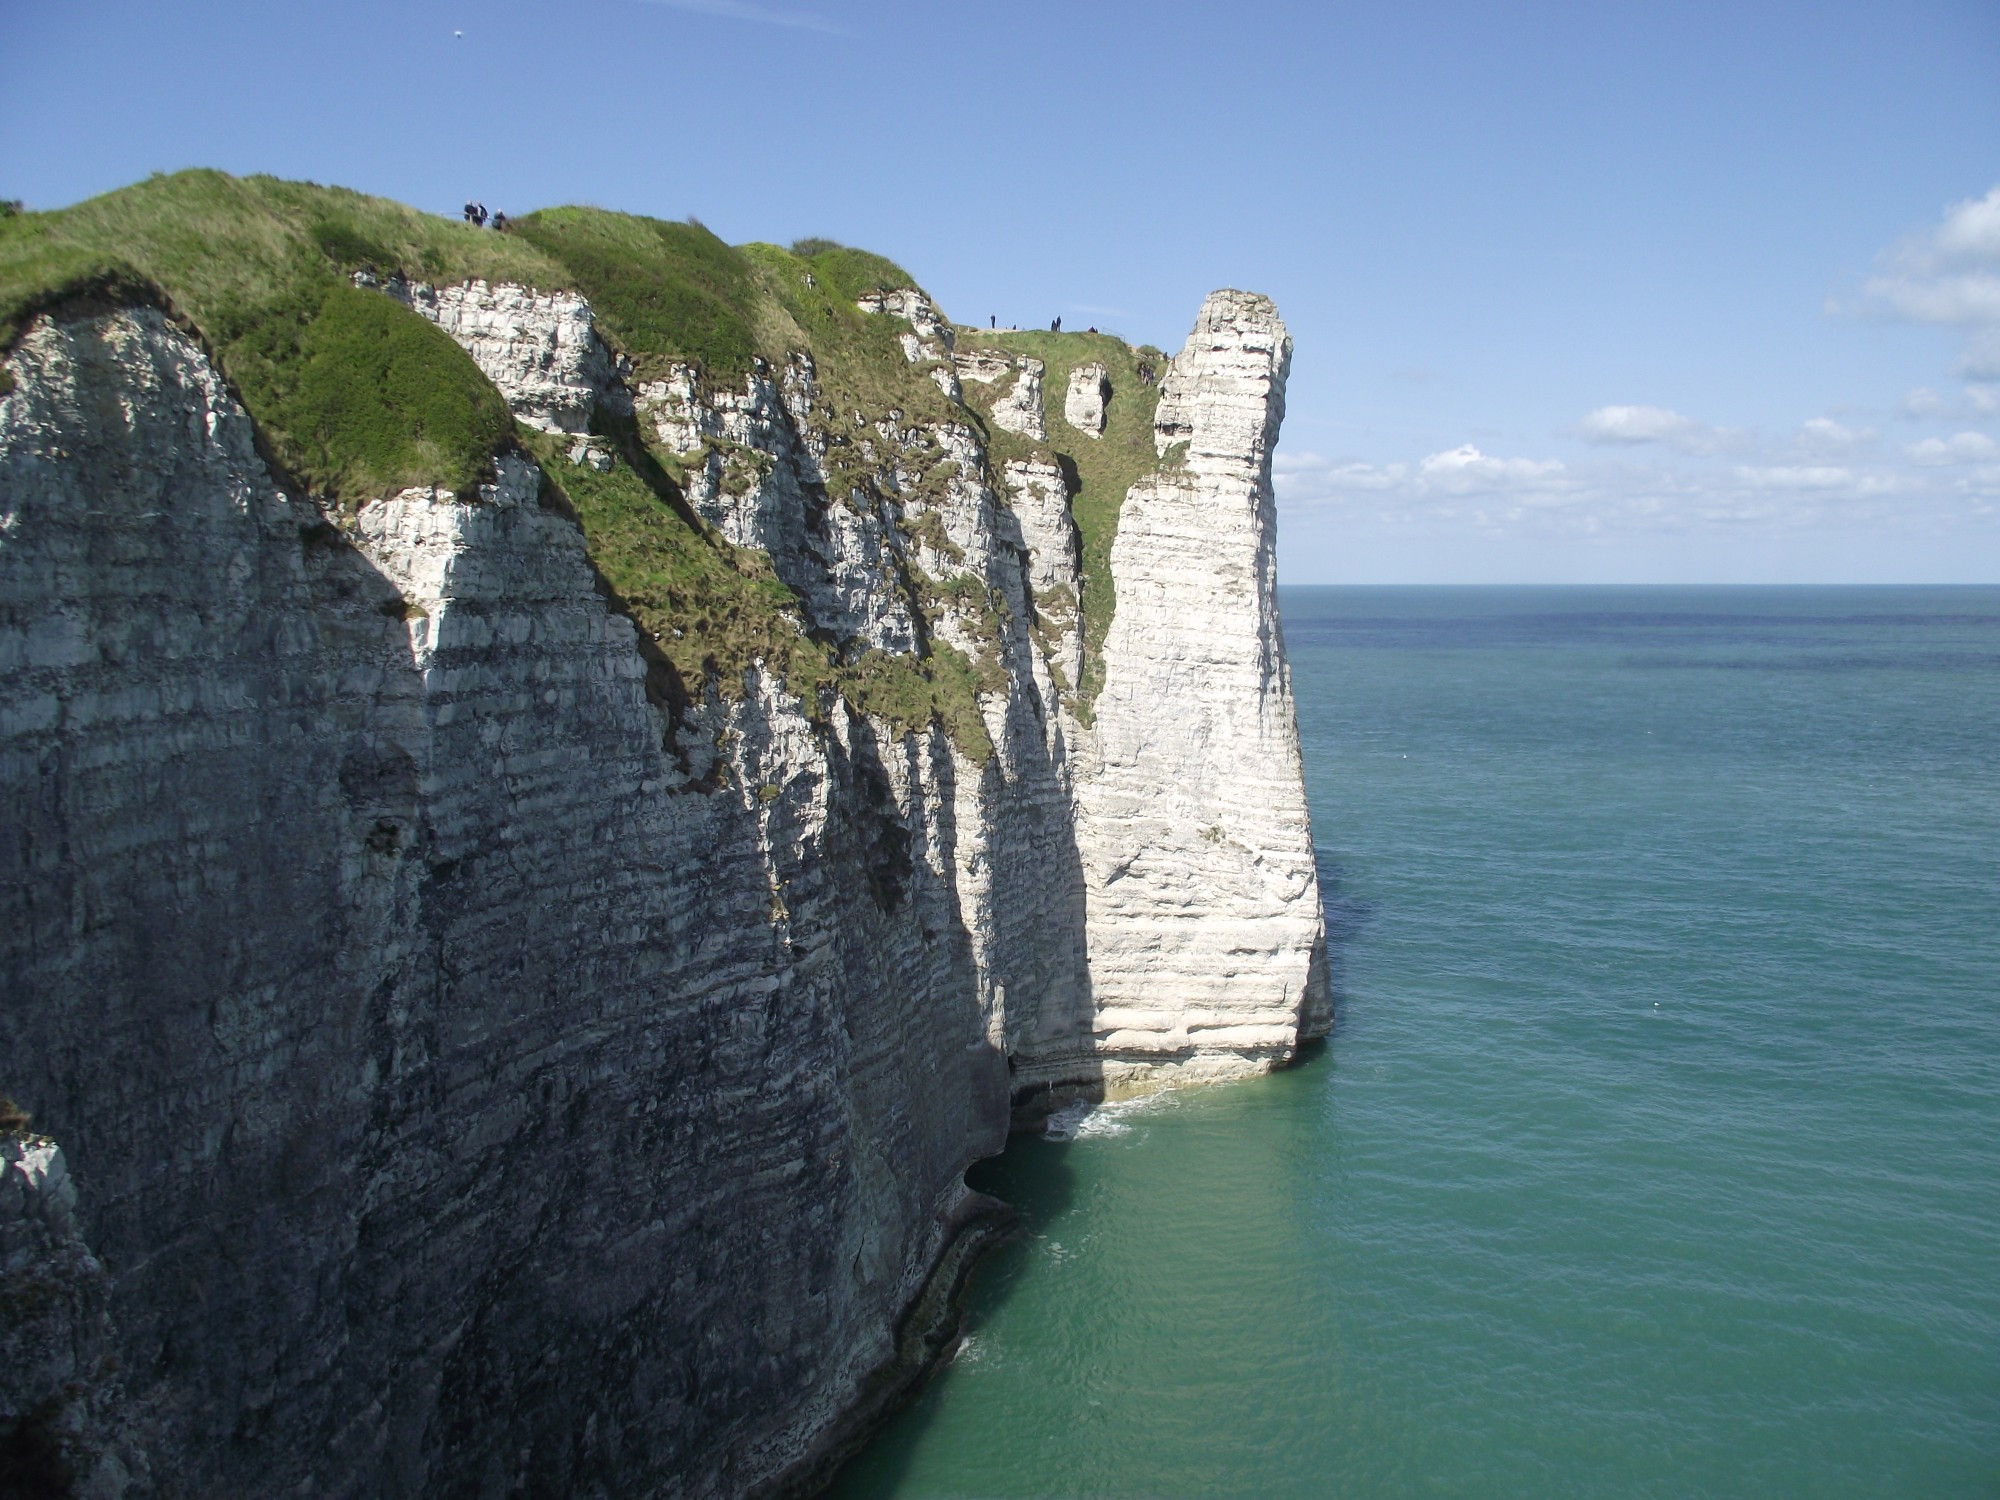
(1207,944)
(477,1077)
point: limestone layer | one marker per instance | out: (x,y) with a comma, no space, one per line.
(1207,951)
(475,1079)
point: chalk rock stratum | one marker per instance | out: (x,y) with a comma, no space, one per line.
(1208,951)
(482,1068)
(1083,403)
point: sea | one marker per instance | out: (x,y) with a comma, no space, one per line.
(1656,1149)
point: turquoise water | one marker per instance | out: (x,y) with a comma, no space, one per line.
(1657,1148)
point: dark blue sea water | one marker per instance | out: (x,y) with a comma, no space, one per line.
(1657,1149)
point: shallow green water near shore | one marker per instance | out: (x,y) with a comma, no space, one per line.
(1657,1150)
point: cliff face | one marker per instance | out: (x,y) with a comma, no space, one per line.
(1207,943)
(64,1425)
(485,1066)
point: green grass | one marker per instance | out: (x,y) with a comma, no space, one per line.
(661,291)
(354,396)
(708,610)
(849,273)
(1105,468)
(363,398)
(667,293)
(858,357)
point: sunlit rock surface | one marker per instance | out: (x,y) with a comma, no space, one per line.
(1083,402)
(1207,940)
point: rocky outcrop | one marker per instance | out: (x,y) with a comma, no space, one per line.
(1207,939)
(65,1427)
(554,1109)
(929,337)
(757,473)
(983,366)
(1017,407)
(479,1077)
(1084,401)
(540,348)
(1040,497)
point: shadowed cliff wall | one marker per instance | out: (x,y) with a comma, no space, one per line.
(479,1074)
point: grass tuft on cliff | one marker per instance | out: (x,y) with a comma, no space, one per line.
(661,291)
(667,293)
(710,610)
(849,273)
(1102,469)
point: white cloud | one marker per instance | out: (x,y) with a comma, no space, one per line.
(1795,476)
(1949,274)
(1443,478)
(1465,468)
(1975,404)
(1971,230)
(1635,424)
(1824,432)
(1454,471)
(1824,474)
(1309,473)
(1981,360)
(1630,426)
(1960,448)
(1966,300)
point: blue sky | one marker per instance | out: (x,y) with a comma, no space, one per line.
(1580,292)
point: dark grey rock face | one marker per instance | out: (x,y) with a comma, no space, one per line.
(64,1425)
(461,1096)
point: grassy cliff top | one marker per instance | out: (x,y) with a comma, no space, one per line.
(354,396)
